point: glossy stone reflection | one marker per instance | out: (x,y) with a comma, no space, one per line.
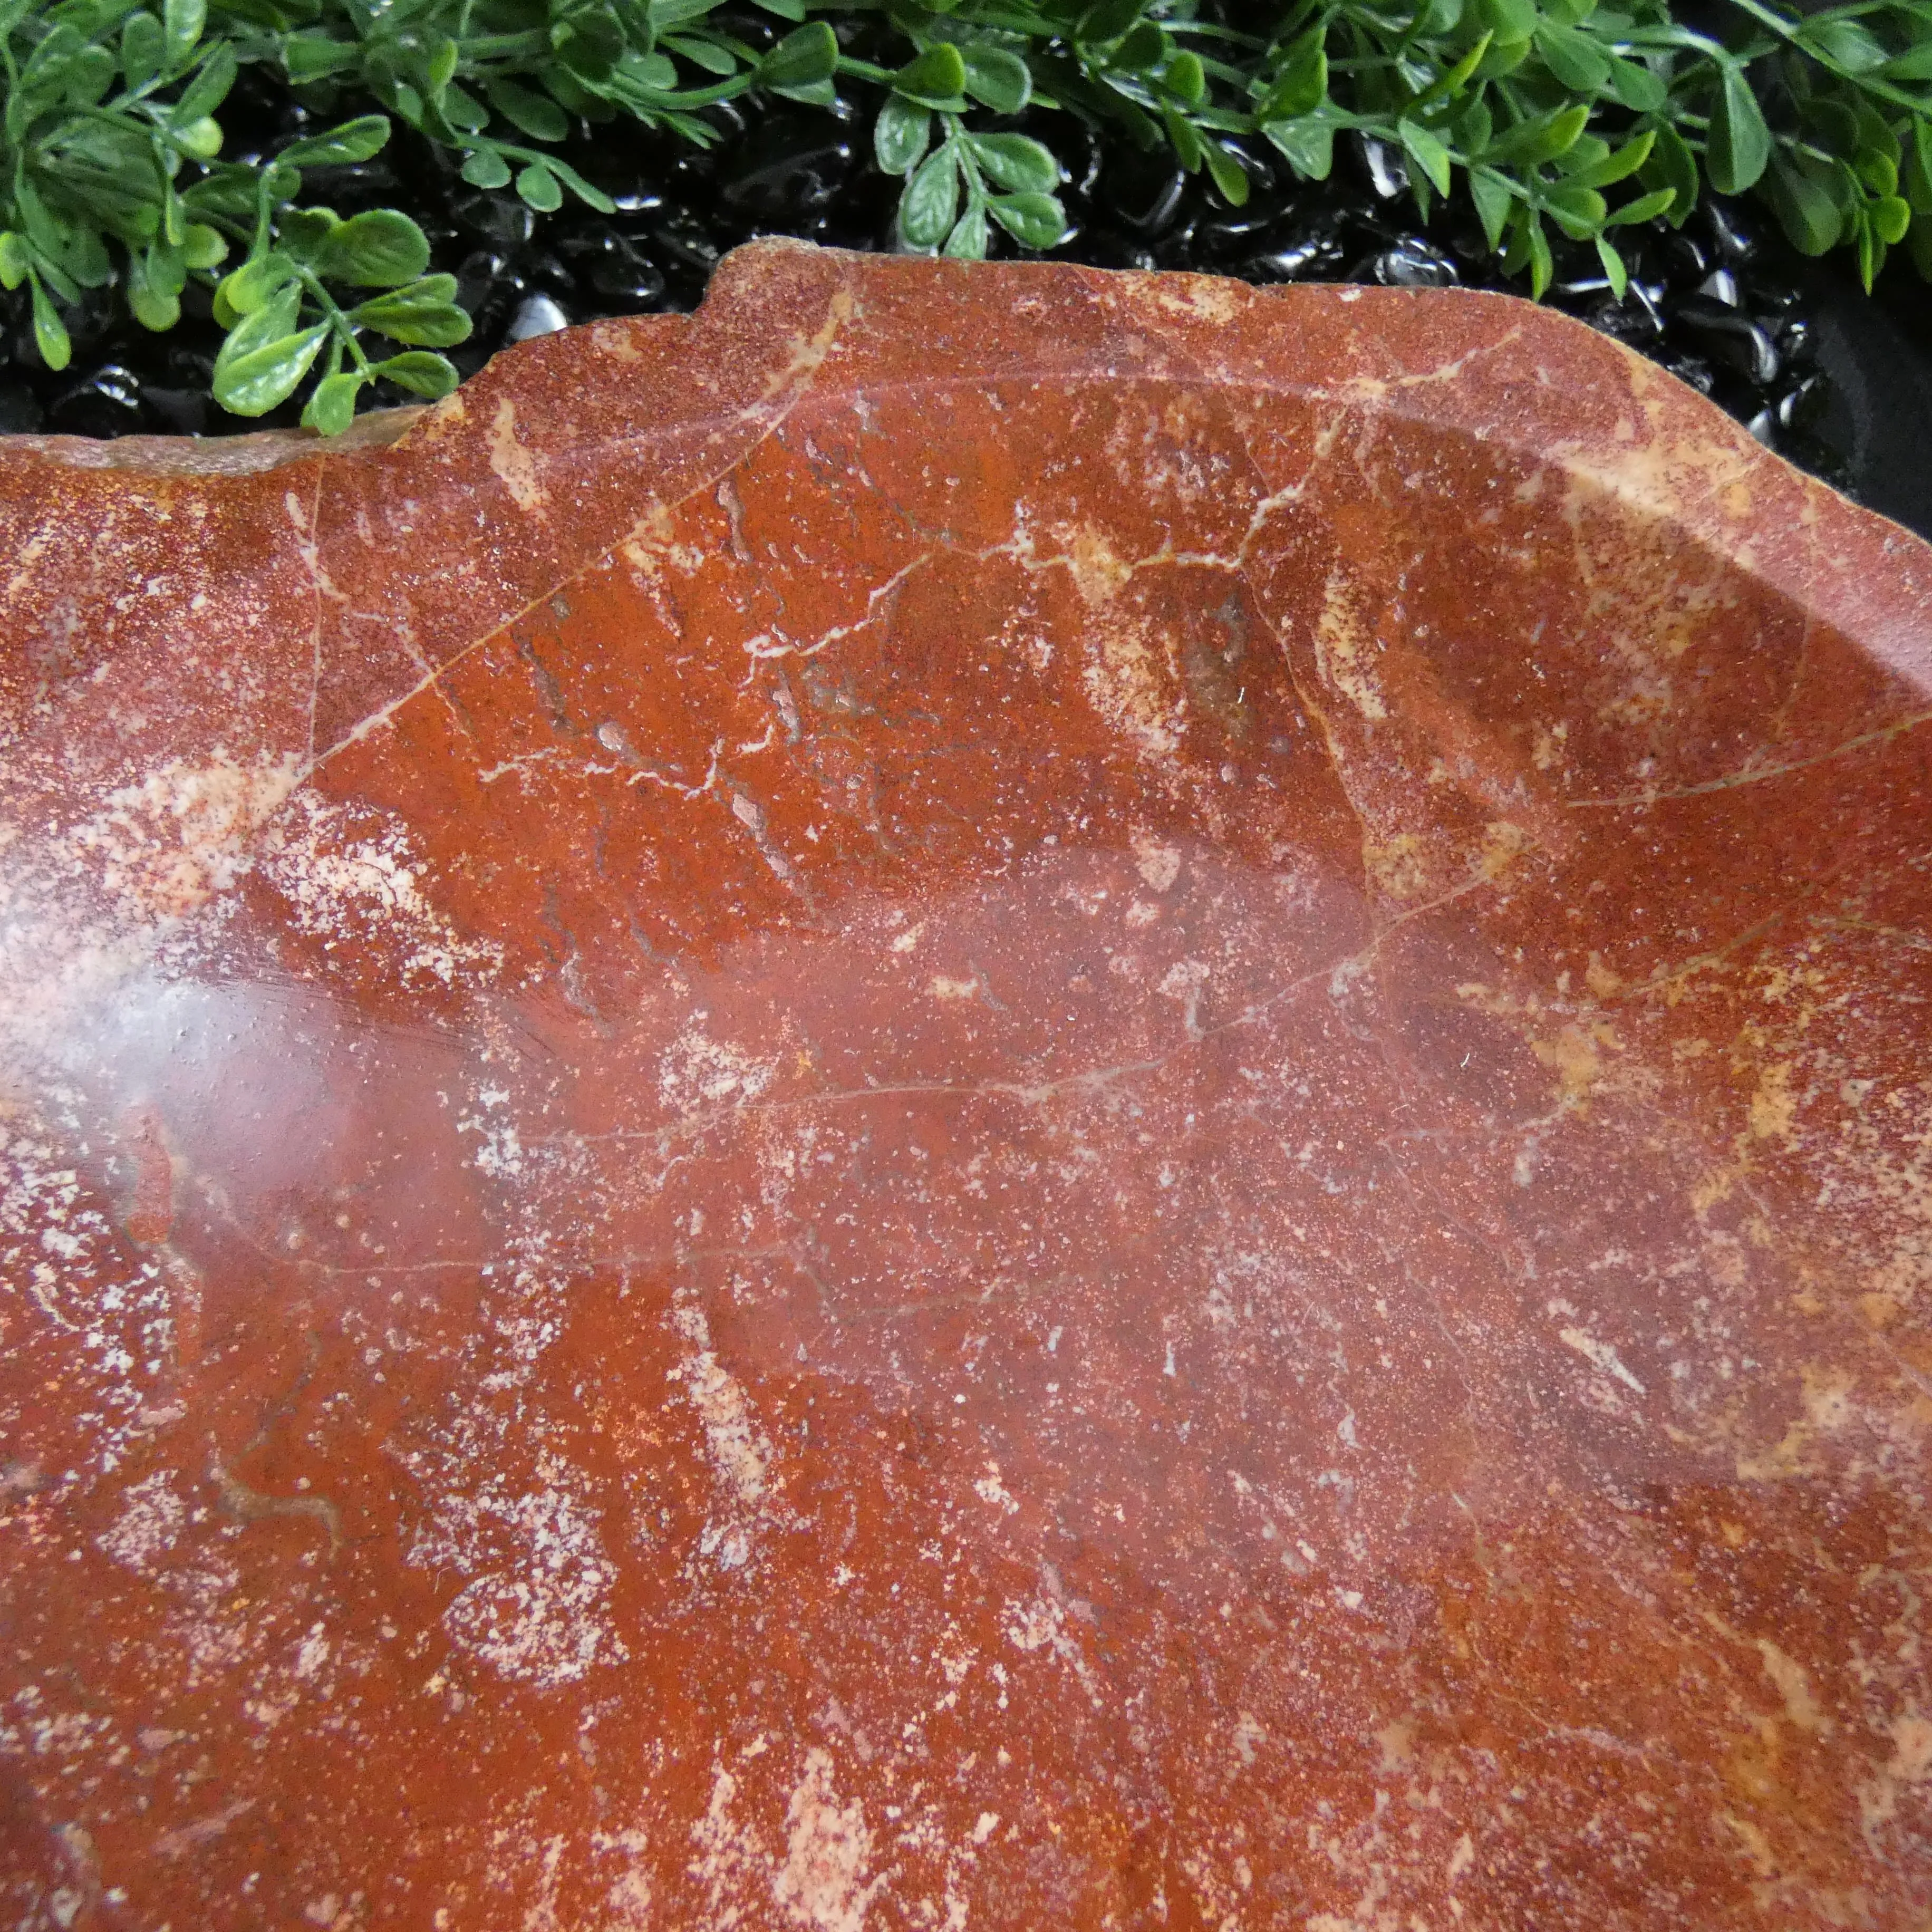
(972,1097)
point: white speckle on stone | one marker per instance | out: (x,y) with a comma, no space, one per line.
(822,1883)
(151,1518)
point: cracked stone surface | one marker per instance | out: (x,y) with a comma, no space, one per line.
(974,1097)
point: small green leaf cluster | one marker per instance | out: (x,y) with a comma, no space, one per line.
(108,119)
(968,177)
(1567,119)
(283,317)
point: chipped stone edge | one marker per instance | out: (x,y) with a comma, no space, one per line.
(244,455)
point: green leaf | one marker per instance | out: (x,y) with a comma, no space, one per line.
(591,197)
(162,264)
(1644,207)
(1672,165)
(268,321)
(463,110)
(807,55)
(589,43)
(1617,275)
(540,188)
(1635,85)
(182,23)
(1015,162)
(209,88)
(1227,173)
(706,54)
(1140,50)
(1541,268)
(652,70)
(88,76)
(1879,172)
(357,140)
(968,241)
(1830,122)
(1186,78)
(1850,44)
(1033,220)
(1184,137)
(256,282)
(1918,172)
(1739,145)
(1427,152)
(50,335)
(44,63)
(378,249)
(1449,84)
(1890,218)
(568,92)
(56,244)
(307,58)
(153,308)
(1875,132)
(253,383)
(1000,79)
(332,409)
(1490,192)
(442,68)
(1308,145)
(1919,241)
(201,139)
(14,261)
(1473,124)
(1509,19)
(1302,85)
(936,79)
(1871,255)
(1542,139)
(1107,20)
(1504,57)
(1578,212)
(822,94)
(900,135)
(1620,166)
(203,247)
(425,313)
(1585,154)
(422,374)
(304,231)
(143,48)
(527,111)
(484,167)
(930,201)
(1574,59)
(1914,63)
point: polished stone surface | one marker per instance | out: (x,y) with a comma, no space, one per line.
(976,1097)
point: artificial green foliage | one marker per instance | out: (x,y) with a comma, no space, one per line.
(1564,117)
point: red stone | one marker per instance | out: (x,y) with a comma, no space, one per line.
(973,1097)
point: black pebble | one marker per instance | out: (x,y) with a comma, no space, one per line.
(1414,264)
(107,403)
(786,167)
(498,220)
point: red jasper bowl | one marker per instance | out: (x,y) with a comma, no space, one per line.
(974,1097)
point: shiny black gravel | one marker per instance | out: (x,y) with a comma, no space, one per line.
(1723,305)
